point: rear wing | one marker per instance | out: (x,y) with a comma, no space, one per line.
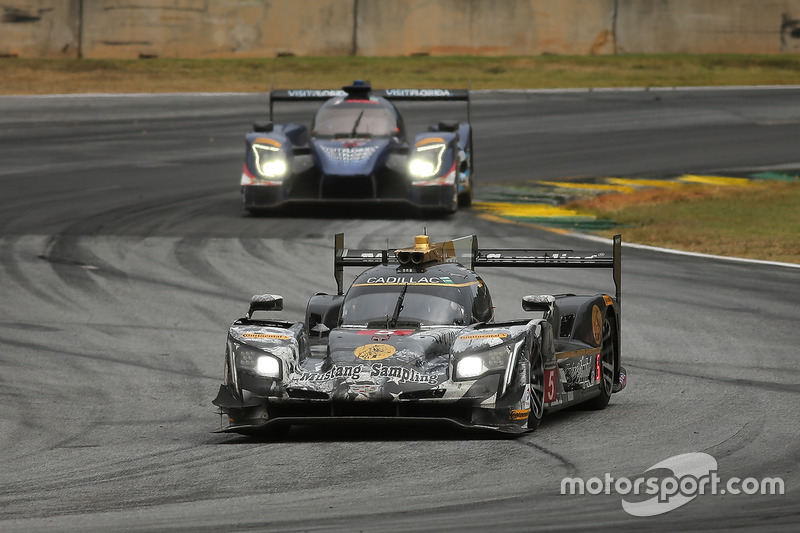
(431,95)
(529,258)
(465,251)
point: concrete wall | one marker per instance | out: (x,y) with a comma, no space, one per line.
(267,28)
(708,26)
(40,28)
(484,27)
(208,28)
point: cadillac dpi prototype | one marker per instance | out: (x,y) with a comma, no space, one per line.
(414,339)
(357,151)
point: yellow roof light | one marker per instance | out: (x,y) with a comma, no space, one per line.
(424,252)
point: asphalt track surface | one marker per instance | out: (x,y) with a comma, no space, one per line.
(124,255)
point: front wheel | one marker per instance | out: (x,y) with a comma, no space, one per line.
(465,198)
(453,207)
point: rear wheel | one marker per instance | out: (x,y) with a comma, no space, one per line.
(608,360)
(537,390)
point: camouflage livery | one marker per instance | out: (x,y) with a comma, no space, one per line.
(414,339)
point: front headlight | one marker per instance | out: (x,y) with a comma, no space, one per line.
(426,161)
(270,161)
(478,364)
(258,362)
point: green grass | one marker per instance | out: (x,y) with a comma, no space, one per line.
(42,76)
(760,221)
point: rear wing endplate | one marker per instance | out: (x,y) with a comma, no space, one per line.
(489,257)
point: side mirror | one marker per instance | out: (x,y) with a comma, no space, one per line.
(265,302)
(538,302)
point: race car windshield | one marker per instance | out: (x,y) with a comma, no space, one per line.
(417,306)
(350,121)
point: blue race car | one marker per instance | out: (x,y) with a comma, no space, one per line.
(357,151)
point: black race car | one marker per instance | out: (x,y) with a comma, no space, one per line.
(414,339)
(357,150)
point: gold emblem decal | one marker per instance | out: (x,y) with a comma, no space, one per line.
(597,324)
(374,352)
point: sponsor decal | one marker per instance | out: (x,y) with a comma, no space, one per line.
(519,414)
(545,256)
(438,281)
(577,373)
(407,279)
(608,300)
(315,93)
(376,370)
(485,336)
(352,372)
(364,389)
(417,92)
(266,336)
(597,324)
(402,375)
(374,352)
(386,332)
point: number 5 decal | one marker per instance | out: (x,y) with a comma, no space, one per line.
(550,385)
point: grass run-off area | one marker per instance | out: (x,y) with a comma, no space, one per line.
(758,221)
(53,76)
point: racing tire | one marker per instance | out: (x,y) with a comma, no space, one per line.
(537,391)
(608,364)
(465,198)
(453,207)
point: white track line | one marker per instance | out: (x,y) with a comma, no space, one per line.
(685,253)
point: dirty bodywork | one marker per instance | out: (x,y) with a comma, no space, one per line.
(414,339)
